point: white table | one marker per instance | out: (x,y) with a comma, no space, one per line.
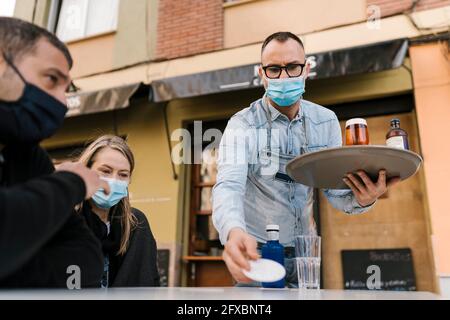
(211,294)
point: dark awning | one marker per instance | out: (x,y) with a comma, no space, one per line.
(356,60)
(99,101)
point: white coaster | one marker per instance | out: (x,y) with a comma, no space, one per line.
(265,270)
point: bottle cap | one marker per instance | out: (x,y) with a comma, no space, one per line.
(272,227)
(356,121)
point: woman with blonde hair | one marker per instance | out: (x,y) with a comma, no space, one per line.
(128,244)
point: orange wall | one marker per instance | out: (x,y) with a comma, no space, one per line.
(93,55)
(431,75)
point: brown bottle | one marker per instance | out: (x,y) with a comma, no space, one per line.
(397,137)
(356,132)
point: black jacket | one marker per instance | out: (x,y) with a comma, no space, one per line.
(138,266)
(40,233)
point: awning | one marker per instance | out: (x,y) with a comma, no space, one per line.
(356,60)
(101,100)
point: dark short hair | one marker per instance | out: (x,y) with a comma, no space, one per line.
(18,37)
(281,36)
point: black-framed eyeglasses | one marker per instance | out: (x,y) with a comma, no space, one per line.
(293,70)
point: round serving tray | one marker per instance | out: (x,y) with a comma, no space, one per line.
(326,168)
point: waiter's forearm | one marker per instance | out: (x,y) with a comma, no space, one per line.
(345,200)
(228,209)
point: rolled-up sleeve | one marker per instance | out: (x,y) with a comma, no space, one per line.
(229,190)
(343,200)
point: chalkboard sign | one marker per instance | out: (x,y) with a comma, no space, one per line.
(386,269)
(163,266)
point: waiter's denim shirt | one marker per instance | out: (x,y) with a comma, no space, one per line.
(247,197)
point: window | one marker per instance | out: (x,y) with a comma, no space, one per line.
(204,238)
(79,19)
(7,8)
(205,266)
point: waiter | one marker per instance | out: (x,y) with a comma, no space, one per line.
(253,189)
(42,240)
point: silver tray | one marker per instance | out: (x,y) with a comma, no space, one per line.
(326,168)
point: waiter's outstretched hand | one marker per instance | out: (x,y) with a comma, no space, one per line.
(367,191)
(239,249)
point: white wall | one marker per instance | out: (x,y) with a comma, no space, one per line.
(7,7)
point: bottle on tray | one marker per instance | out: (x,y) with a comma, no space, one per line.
(397,137)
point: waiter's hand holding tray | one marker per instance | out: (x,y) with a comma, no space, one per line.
(327,168)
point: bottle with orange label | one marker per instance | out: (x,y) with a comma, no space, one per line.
(397,137)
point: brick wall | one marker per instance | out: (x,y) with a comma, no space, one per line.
(392,7)
(187,27)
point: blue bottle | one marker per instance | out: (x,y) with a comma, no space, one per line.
(273,250)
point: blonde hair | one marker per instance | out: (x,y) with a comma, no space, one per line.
(128,219)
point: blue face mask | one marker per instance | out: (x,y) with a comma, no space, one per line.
(119,190)
(285,92)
